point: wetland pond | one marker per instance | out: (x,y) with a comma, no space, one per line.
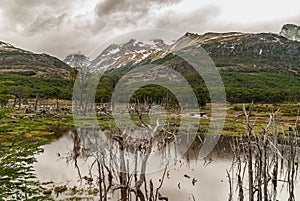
(189,178)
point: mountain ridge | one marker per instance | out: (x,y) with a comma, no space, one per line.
(260,67)
(231,51)
(14,60)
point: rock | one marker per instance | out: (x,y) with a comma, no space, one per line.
(77,60)
(290,31)
(187,176)
(194,181)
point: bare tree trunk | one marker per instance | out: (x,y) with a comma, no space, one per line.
(265,150)
(123,176)
(20,103)
(240,184)
(291,166)
(103,181)
(249,146)
(230,186)
(57,104)
(275,169)
(15,102)
(264,156)
(100,180)
(36,102)
(259,170)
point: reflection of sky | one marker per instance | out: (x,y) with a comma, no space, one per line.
(51,167)
(211,185)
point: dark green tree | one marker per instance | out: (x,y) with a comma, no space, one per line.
(17,178)
(5,94)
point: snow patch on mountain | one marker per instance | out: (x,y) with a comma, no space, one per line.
(130,53)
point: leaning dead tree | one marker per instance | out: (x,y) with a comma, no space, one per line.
(265,160)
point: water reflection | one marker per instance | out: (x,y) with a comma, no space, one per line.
(190,178)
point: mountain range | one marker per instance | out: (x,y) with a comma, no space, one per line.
(259,67)
(231,52)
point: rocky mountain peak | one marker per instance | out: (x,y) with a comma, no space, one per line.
(290,31)
(76,60)
(160,44)
(231,51)
(5,45)
(111,48)
(188,34)
(131,45)
(131,52)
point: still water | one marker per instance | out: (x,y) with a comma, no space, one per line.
(190,178)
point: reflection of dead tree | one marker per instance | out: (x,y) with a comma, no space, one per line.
(237,162)
(275,159)
(75,152)
(259,153)
(116,172)
(292,164)
(157,194)
(230,186)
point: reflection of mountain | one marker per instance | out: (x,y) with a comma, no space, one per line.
(17,61)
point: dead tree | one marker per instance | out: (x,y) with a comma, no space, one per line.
(249,128)
(110,149)
(262,152)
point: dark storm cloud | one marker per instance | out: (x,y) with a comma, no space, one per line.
(32,16)
(43,26)
(128,14)
(109,7)
(60,27)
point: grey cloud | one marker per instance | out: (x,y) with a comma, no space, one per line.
(109,7)
(119,21)
(46,22)
(15,14)
(54,26)
(31,16)
(263,26)
(196,20)
(44,26)
(128,14)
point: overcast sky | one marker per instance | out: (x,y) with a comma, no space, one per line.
(61,27)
